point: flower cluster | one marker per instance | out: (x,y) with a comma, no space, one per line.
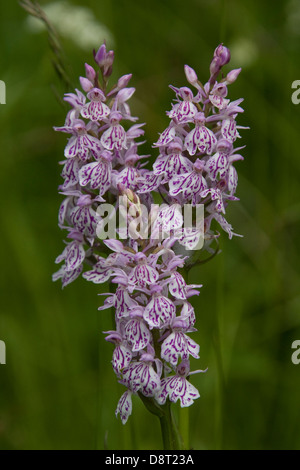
(153,316)
(196,150)
(101,159)
(195,166)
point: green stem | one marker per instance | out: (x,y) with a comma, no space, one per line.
(184,425)
(171,437)
(169,431)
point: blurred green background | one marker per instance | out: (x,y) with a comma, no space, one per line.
(57,390)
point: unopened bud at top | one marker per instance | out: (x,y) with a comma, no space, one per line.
(86,84)
(232,76)
(124,80)
(90,72)
(215,66)
(104,60)
(109,62)
(190,74)
(100,55)
(125,94)
(223,53)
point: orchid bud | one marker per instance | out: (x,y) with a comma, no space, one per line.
(104,60)
(90,72)
(232,76)
(223,53)
(108,63)
(125,94)
(85,83)
(190,74)
(215,66)
(124,80)
(100,55)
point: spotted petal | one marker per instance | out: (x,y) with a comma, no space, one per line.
(114,138)
(192,238)
(73,254)
(142,377)
(217,198)
(67,276)
(81,145)
(123,302)
(177,388)
(98,275)
(166,136)
(70,173)
(170,218)
(229,130)
(232,180)
(159,312)
(173,164)
(121,358)
(177,345)
(137,334)
(183,111)
(84,219)
(217,165)
(226,226)
(64,210)
(127,177)
(177,286)
(143,274)
(218,101)
(188,184)
(95,110)
(200,138)
(149,182)
(124,407)
(97,175)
